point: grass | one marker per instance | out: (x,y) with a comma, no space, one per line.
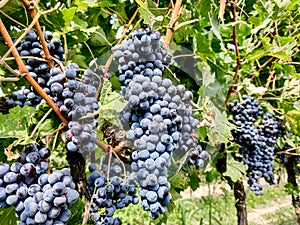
(283,216)
(219,210)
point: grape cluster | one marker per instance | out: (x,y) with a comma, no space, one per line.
(110,194)
(39,70)
(73,93)
(22,173)
(49,200)
(143,46)
(157,117)
(256,142)
(38,198)
(77,101)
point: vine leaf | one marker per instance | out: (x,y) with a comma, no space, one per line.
(221,130)
(252,89)
(68,15)
(111,104)
(16,123)
(145,12)
(110,99)
(208,76)
(179,180)
(234,170)
(7,216)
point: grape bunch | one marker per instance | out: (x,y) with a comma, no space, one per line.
(38,198)
(256,142)
(157,117)
(39,70)
(77,101)
(109,194)
(22,173)
(143,46)
(48,201)
(73,93)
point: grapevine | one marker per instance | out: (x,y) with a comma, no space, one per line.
(125,112)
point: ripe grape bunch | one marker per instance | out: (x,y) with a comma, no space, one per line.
(31,49)
(77,102)
(38,198)
(109,193)
(157,117)
(73,93)
(256,142)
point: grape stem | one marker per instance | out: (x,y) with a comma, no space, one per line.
(16,73)
(56,130)
(20,38)
(123,165)
(103,146)
(28,77)
(262,66)
(269,80)
(237,52)
(33,14)
(174,18)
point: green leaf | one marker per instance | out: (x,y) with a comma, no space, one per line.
(234,170)
(211,175)
(78,59)
(194,180)
(286,40)
(111,104)
(77,36)
(56,20)
(7,216)
(81,5)
(98,37)
(221,129)
(16,123)
(179,180)
(252,89)
(208,76)
(281,55)
(263,25)
(144,12)
(110,99)
(105,4)
(68,15)
(142,4)
(256,54)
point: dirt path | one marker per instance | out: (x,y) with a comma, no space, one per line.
(255,215)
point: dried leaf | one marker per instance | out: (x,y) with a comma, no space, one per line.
(9,154)
(222,10)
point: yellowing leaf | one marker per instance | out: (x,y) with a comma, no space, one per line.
(222,9)
(9,154)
